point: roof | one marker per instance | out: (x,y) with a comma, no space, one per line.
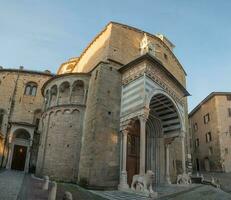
(210,96)
(26,71)
(155,60)
(137,30)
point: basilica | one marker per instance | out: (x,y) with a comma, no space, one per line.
(117,110)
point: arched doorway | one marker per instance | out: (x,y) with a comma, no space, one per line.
(162,125)
(133,150)
(21,142)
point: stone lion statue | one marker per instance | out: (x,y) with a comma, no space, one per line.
(143,183)
(183,179)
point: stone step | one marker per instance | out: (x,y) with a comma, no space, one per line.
(119,195)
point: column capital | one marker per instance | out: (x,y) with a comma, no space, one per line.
(144,114)
(143,118)
(124,132)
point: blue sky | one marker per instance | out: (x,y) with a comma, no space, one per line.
(41,34)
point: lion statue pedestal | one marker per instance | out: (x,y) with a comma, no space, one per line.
(143,184)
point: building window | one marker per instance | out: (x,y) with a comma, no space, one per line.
(165,56)
(228,97)
(96,74)
(208,137)
(195,127)
(206,118)
(31,89)
(1,118)
(197,143)
(229,112)
(226,150)
(210,151)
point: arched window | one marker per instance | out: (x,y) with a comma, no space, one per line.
(77,94)
(31,89)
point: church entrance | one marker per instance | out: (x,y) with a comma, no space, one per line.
(160,127)
(19,157)
(133,151)
(19,151)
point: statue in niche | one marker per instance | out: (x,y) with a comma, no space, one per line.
(146,46)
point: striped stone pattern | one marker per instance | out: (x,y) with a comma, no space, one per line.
(133,95)
(163,108)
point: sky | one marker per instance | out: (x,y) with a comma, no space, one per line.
(41,34)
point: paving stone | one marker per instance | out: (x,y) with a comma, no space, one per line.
(10,184)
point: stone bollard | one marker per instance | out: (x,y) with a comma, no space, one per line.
(52,193)
(46,183)
(67,196)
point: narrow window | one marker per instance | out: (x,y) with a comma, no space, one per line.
(228,97)
(1,118)
(27,90)
(226,150)
(208,137)
(195,127)
(33,91)
(197,142)
(210,151)
(165,56)
(206,118)
(229,112)
(96,74)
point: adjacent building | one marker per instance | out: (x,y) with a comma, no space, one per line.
(210,129)
(21,103)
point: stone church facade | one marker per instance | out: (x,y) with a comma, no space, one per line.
(117,110)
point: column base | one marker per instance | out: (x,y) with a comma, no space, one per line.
(123,181)
(168,181)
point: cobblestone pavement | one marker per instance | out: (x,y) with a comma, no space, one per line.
(15,185)
(10,184)
(32,189)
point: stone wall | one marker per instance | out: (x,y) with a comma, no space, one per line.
(60,143)
(61,126)
(99,161)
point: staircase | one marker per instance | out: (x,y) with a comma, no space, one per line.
(119,195)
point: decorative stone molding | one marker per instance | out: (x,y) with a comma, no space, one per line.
(156,75)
